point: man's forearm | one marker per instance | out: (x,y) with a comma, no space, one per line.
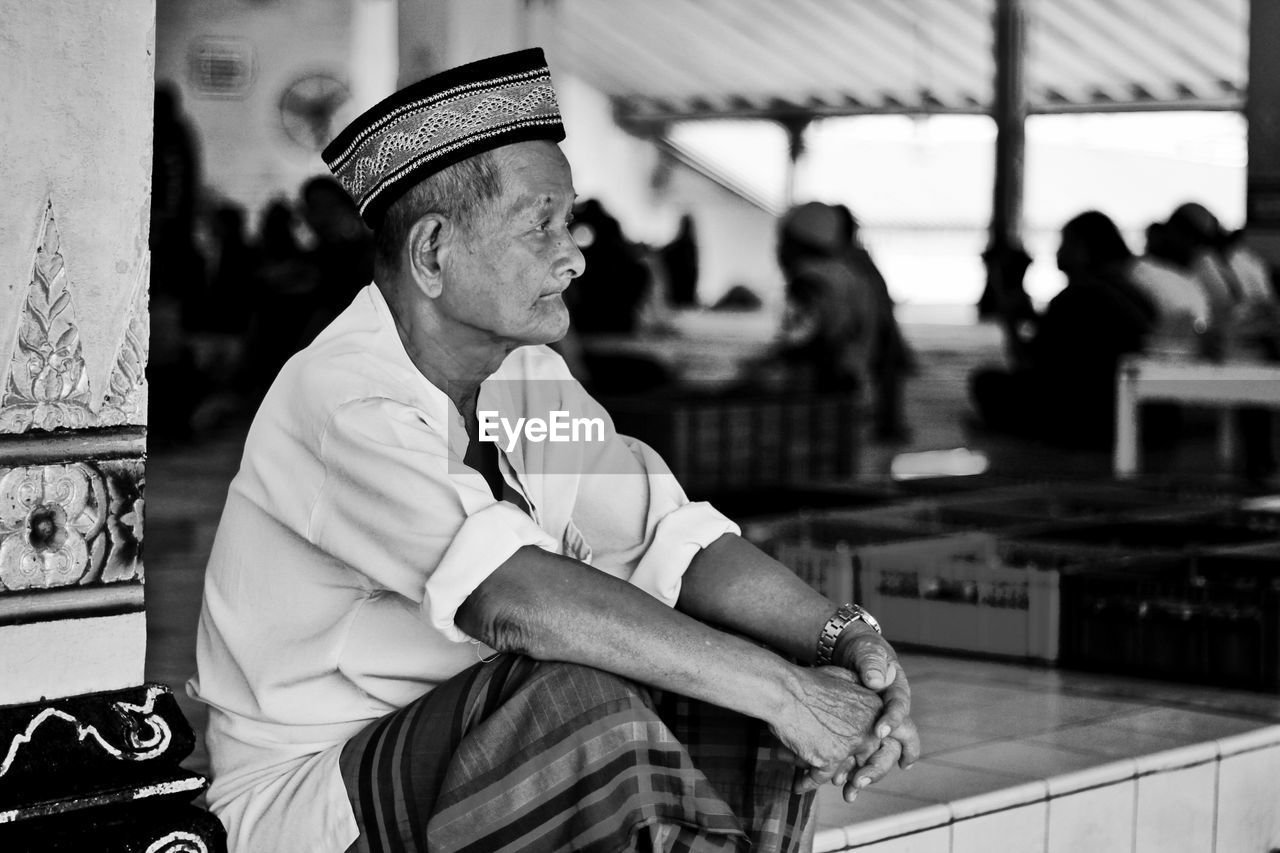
(555,608)
(734,584)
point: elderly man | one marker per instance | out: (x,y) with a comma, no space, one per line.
(416,637)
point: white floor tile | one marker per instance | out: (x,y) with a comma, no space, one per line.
(1175,810)
(941,783)
(1099,820)
(898,825)
(1187,726)
(1018,830)
(871,804)
(1249,801)
(1022,758)
(1109,741)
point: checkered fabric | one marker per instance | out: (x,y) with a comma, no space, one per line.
(515,755)
(440,121)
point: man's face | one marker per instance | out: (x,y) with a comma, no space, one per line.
(505,276)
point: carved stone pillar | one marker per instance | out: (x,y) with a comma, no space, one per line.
(89,754)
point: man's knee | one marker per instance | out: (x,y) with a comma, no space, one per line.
(573,688)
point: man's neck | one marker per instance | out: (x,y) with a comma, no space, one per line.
(455,360)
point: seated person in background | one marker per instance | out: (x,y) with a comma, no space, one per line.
(607,299)
(1065,392)
(1235,280)
(1180,303)
(415,638)
(891,357)
(831,320)
(342,256)
(1244,315)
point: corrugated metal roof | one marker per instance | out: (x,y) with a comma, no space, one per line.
(701,58)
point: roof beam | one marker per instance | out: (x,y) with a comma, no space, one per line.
(949,63)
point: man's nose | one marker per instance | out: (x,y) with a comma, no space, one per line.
(575,264)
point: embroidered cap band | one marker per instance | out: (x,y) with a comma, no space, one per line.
(440,121)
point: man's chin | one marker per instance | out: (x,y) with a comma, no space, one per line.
(554,327)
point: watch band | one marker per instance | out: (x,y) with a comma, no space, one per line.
(845,614)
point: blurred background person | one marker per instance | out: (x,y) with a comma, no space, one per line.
(284,284)
(176,265)
(680,260)
(177,269)
(891,359)
(1235,280)
(1180,303)
(1064,391)
(231,271)
(832,321)
(342,255)
(1243,311)
(608,300)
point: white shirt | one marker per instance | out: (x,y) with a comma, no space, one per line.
(1178,297)
(353,532)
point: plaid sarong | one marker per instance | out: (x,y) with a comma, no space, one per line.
(516,755)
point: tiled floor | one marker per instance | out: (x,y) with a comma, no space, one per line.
(1016,757)
(1023,758)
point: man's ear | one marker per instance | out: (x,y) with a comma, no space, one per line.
(425,248)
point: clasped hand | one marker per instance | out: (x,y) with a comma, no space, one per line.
(852,716)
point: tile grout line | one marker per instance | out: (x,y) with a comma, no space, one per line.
(1142,774)
(1217,785)
(1047,812)
(1133,825)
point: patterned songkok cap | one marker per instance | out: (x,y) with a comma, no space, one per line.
(440,121)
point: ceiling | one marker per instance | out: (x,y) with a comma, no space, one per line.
(673,59)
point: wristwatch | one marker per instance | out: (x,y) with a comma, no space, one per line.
(835,626)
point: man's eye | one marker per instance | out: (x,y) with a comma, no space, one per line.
(546,224)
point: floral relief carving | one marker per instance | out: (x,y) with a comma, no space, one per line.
(125,484)
(47,387)
(126,398)
(50,518)
(63,525)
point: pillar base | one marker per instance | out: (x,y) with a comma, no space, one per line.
(101,772)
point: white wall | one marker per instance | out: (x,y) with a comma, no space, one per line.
(736,240)
(245,154)
(610,164)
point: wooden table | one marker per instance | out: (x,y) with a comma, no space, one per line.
(1224,385)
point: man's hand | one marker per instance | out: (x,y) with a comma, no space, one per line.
(829,724)
(870,656)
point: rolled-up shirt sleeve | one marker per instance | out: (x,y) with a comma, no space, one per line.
(401,510)
(636,518)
